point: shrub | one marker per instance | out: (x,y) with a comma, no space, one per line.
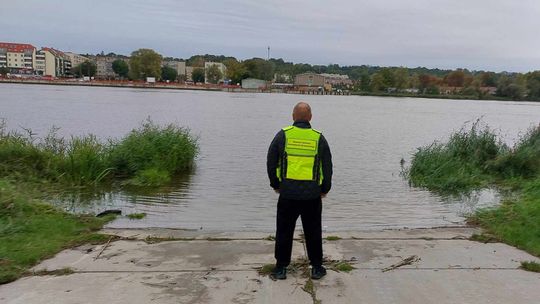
(460,163)
(149,155)
(169,149)
(524,159)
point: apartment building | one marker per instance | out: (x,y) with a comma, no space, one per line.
(179,66)
(104,66)
(56,63)
(336,79)
(19,58)
(76,59)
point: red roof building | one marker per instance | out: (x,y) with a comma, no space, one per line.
(16,47)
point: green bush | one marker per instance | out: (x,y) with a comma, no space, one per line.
(524,159)
(460,163)
(169,149)
(150,155)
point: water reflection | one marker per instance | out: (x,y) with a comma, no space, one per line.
(129,199)
(465,204)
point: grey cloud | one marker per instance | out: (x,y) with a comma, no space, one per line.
(482,34)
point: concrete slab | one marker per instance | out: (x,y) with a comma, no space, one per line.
(451,270)
(457,232)
(155,287)
(165,256)
(433,253)
(430,286)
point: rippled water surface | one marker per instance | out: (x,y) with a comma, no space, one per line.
(228,189)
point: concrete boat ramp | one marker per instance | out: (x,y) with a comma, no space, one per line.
(175,266)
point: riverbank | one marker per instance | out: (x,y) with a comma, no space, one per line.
(236,89)
(171,266)
(31,231)
(475,159)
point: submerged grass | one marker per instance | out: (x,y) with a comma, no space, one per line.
(475,158)
(148,156)
(31,231)
(136,216)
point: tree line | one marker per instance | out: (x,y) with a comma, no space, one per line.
(368,79)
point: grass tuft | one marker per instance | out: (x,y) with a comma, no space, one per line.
(56,272)
(266,269)
(333,238)
(530,266)
(483,238)
(136,216)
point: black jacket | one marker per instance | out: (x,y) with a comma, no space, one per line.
(298,190)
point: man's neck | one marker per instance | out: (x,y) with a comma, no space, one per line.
(302,124)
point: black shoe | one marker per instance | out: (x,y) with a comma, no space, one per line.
(318,272)
(279,273)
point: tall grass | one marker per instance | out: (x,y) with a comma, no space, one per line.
(152,154)
(149,155)
(459,163)
(474,158)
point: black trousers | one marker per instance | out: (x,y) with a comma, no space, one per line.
(310,212)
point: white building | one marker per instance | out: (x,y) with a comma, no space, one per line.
(17,57)
(253,83)
(53,62)
(179,66)
(76,59)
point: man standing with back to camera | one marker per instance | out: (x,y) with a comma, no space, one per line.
(299,165)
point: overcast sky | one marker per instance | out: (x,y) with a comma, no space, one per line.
(476,34)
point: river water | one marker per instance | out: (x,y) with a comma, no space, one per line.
(229,191)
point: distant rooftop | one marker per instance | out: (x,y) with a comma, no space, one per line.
(16,47)
(55,52)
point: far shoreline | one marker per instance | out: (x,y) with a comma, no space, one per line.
(234,89)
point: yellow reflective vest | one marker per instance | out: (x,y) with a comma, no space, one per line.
(301,156)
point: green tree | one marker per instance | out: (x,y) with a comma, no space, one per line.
(365,82)
(414,81)
(144,63)
(388,78)
(4,70)
(168,73)
(197,75)
(235,70)
(259,68)
(213,74)
(401,78)
(511,87)
(377,82)
(488,79)
(86,68)
(121,68)
(533,85)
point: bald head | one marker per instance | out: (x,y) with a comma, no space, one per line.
(301,112)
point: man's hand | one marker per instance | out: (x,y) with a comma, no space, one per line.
(323,195)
